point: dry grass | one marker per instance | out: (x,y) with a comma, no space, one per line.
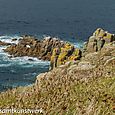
(67,90)
(62,94)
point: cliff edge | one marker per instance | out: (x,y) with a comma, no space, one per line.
(81,85)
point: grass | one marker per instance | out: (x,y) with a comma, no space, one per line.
(67,90)
(92,97)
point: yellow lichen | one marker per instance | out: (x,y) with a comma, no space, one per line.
(76,52)
(67,53)
(108,36)
(101,33)
(97,32)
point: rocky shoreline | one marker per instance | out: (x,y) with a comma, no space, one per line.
(60,52)
(80,81)
(48,49)
(97,54)
(33,47)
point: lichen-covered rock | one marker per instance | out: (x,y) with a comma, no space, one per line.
(92,46)
(52,49)
(65,54)
(54,58)
(100,57)
(100,44)
(99,38)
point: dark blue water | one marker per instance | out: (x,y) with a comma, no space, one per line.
(18,71)
(64,18)
(71,20)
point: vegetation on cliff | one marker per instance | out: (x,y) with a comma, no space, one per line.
(67,92)
(77,87)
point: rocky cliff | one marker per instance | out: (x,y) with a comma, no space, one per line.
(80,83)
(95,60)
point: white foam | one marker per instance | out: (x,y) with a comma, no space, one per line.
(28,46)
(30,74)
(1,37)
(78,44)
(28,61)
(20,61)
(5,65)
(46,37)
(9,39)
(2,53)
(1,49)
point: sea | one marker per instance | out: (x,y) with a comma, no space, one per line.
(69,20)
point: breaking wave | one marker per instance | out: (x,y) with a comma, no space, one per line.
(20,71)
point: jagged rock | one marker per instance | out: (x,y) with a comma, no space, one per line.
(64,54)
(108,37)
(52,49)
(30,46)
(54,57)
(100,57)
(92,46)
(108,49)
(97,41)
(100,44)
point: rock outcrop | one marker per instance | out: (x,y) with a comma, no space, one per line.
(100,44)
(30,46)
(51,49)
(71,63)
(96,42)
(99,49)
(64,54)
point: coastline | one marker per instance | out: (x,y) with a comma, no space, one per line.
(78,86)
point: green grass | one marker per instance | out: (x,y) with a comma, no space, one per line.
(93,97)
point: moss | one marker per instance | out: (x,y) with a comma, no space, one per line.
(76,54)
(62,56)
